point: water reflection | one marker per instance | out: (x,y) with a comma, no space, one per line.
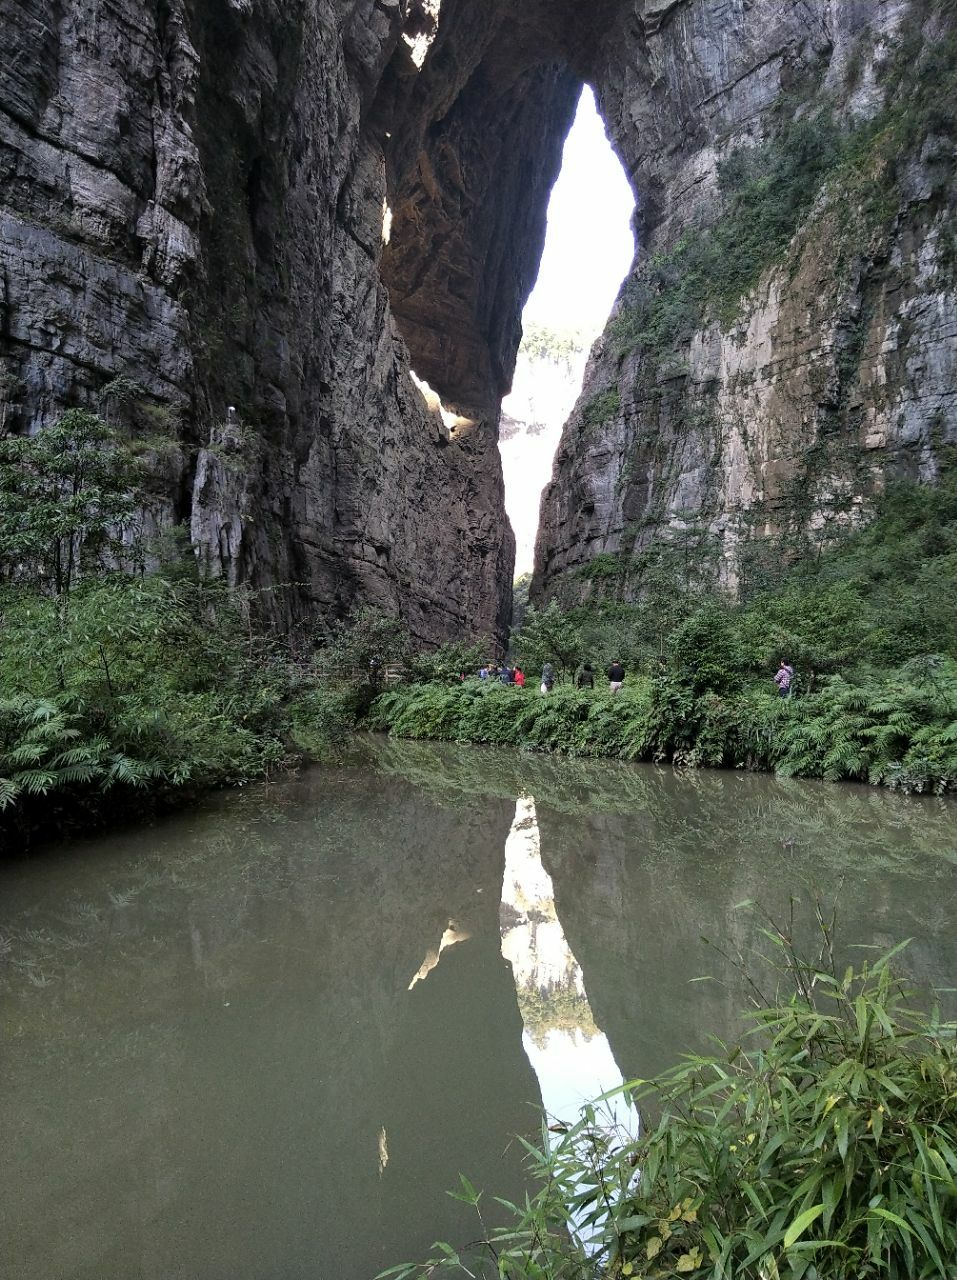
(569,1054)
(261,1041)
(213,1064)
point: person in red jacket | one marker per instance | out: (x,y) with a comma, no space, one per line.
(520,677)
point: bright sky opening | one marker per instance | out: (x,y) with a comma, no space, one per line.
(589,245)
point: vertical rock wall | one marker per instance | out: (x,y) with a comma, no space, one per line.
(743,430)
(191,202)
(195,205)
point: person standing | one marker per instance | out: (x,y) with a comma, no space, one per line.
(520,677)
(616,677)
(586,677)
(784,678)
(548,677)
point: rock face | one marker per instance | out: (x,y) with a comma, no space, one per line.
(737,423)
(191,202)
(237,226)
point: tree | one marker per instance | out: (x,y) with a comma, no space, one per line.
(548,635)
(67,495)
(368,642)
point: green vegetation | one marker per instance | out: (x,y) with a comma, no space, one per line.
(132,686)
(768,190)
(868,626)
(558,346)
(602,408)
(119,691)
(65,500)
(823,1147)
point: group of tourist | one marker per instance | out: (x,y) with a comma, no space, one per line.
(503,674)
(585,678)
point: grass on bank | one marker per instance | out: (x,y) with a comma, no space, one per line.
(822,1147)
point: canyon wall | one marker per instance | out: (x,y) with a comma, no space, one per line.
(192,207)
(236,227)
(787,340)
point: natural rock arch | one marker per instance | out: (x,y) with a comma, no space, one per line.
(192,197)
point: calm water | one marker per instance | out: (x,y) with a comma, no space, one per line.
(261,1040)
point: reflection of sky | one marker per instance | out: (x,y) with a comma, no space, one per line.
(572,1070)
(569,1054)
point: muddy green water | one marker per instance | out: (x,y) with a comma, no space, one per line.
(259,1041)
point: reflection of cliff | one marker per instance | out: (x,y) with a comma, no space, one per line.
(646,862)
(648,899)
(571,1058)
(548,978)
(213,1041)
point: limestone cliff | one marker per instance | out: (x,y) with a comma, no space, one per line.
(787,339)
(237,226)
(192,205)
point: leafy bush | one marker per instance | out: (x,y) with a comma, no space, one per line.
(47,745)
(548,635)
(368,641)
(899,730)
(824,1147)
(131,682)
(449,662)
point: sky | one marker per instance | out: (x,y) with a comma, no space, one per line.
(589,245)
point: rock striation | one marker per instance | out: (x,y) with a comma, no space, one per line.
(736,427)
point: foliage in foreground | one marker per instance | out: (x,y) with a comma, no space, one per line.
(822,1148)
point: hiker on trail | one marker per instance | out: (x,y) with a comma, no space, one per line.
(548,677)
(520,677)
(616,677)
(783,678)
(483,673)
(506,675)
(586,677)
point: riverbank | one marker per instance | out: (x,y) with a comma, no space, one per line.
(896,729)
(133,696)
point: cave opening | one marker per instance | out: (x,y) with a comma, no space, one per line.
(589,248)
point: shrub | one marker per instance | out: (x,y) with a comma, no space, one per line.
(67,495)
(824,1147)
(129,683)
(602,407)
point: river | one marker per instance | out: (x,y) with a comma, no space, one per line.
(261,1039)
